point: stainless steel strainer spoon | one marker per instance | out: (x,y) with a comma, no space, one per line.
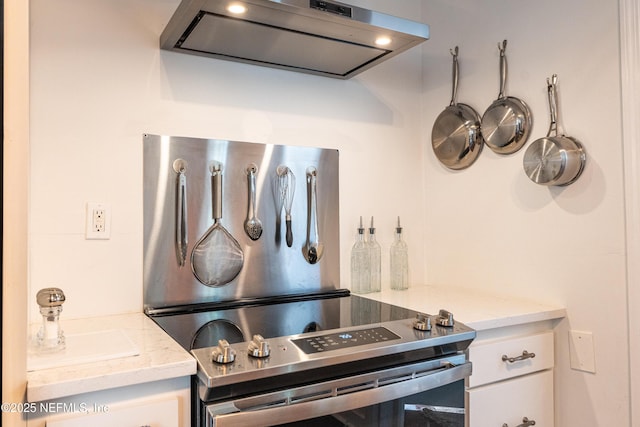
(217,257)
(252,225)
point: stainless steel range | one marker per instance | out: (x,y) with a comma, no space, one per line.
(241,267)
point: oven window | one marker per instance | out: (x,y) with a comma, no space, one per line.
(441,407)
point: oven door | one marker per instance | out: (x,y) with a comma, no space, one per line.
(428,393)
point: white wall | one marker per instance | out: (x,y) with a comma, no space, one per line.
(98,84)
(490,227)
(99,81)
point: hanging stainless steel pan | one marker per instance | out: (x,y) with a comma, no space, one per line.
(456,137)
(506,124)
(555,159)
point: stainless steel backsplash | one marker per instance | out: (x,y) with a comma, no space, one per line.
(271,267)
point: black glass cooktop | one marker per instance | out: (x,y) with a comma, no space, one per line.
(197,329)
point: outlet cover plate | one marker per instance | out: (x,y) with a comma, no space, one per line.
(98,221)
(581,351)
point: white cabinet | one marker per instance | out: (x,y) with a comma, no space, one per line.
(162,412)
(164,403)
(509,402)
(512,381)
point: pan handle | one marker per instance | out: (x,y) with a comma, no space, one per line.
(455,72)
(503,69)
(553,105)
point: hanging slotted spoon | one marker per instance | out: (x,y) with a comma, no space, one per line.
(252,225)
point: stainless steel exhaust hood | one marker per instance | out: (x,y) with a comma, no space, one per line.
(310,36)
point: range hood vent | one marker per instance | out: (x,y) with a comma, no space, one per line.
(310,36)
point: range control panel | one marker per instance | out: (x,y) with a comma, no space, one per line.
(344,339)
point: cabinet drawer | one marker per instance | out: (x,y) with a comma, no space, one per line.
(508,402)
(489,367)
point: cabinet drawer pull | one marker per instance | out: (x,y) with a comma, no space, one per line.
(526,422)
(525,355)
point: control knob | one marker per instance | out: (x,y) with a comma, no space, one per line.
(422,322)
(445,318)
(258,347)
(223,353)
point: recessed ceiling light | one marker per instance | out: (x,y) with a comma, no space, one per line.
(237,8)
(383,41)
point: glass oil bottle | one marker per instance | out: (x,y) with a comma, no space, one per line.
(399,255)
(360,264)
(375,256)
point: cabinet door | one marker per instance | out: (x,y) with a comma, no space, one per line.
(508,402)
(158,413)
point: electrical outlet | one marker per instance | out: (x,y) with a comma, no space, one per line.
(98,221)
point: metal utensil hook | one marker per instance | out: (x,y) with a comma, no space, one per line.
(502,47)
(282,170)
(454,71)
(251,168)
(215,167)
(554,128)
(180,165)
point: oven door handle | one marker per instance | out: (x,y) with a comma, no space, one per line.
(339,399)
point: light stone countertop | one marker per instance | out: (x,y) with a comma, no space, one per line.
(476,309)
(159,358)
